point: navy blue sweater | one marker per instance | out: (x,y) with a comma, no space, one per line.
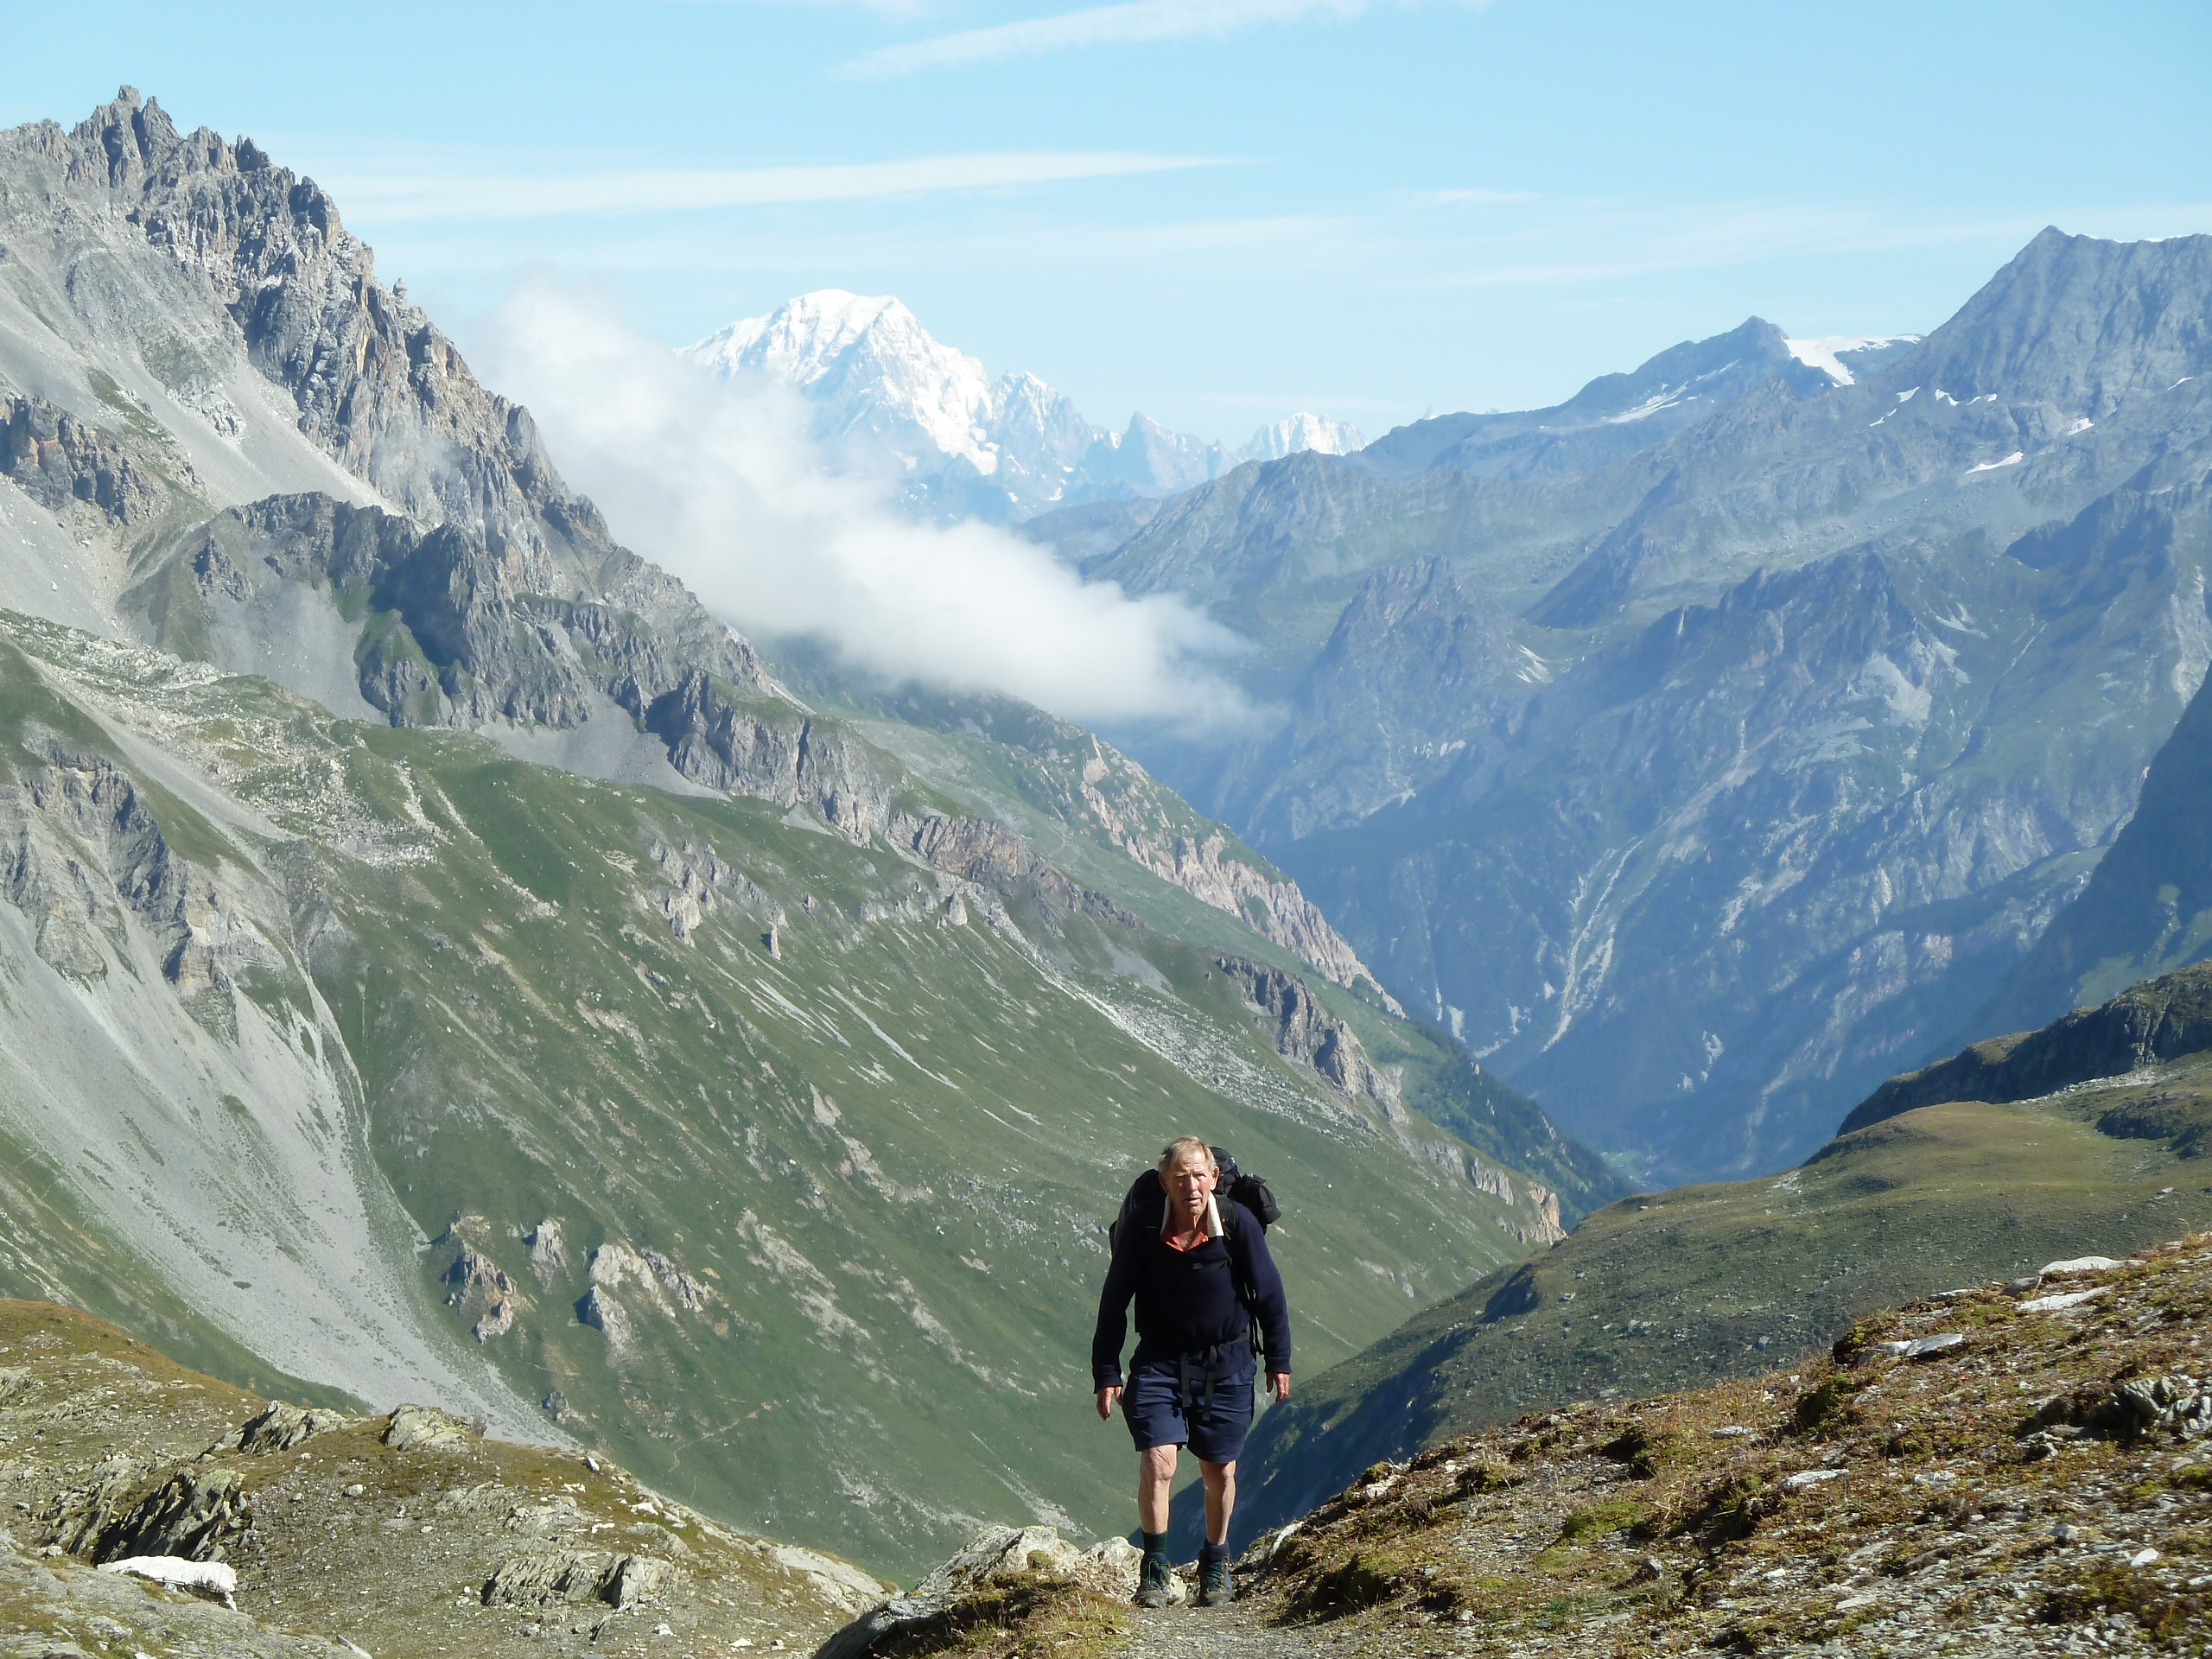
(1187,1299)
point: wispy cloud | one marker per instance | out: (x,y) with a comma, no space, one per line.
(713,482)
(426,192)
(1130,23)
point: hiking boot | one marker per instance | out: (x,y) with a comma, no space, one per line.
(1152,1581)
(1214,1588)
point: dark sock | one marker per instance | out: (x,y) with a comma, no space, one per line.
(1213,1553)
(1155,1543)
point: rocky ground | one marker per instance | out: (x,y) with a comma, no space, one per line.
(403,1536)
(2010,1469)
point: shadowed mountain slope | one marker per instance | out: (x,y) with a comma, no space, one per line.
(2149,906)
(1697,792)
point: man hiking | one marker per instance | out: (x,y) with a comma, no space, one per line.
(1200,1273)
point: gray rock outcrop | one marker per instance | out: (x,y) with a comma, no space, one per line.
(79,851)
(429,1428)
(57,458)
(544,1577)
(995,1556)
(199,1515)
(279,1427)
(1306,1033)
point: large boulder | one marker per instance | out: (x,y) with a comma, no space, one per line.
(431,1429)
(994,1558)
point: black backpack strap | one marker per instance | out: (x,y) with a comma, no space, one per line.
(1142,1193)
(1247,1293)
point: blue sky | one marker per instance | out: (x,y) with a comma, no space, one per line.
(1217,211)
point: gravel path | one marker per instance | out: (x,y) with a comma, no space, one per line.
(1239,1631)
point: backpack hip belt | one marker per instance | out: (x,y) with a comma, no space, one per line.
(1210,1367)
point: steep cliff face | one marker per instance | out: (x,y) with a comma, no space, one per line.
(194,289)
(1156,829)
(1306,1033)
(372,382)
(88,866)
(56,459)
(1420,666)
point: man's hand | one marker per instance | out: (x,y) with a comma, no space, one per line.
(1279,1386)
(1109,1398)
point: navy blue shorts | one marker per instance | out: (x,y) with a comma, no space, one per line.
(1215,1434)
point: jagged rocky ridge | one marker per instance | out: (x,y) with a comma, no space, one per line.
(1616,414)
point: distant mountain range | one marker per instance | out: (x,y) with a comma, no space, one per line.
(1706,747)
(952,441)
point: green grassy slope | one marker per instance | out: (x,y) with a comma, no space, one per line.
(1682,1287)
(857,1177)
(1008,760)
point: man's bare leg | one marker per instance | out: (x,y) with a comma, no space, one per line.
(1221,1498)
(1156,1474)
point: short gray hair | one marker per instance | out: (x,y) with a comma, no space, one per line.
(1187,1146)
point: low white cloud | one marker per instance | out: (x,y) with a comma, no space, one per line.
(430,191)
(1131,22)
(714,482)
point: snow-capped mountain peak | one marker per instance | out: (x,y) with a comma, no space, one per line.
(889,398)
(1304,430)
(869,358)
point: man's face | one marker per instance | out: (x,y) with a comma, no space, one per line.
(1190,1180)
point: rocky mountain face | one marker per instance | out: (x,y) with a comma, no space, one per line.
(952,442)
(1700,785)
(448,963)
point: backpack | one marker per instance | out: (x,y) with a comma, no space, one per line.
(1235,1186)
